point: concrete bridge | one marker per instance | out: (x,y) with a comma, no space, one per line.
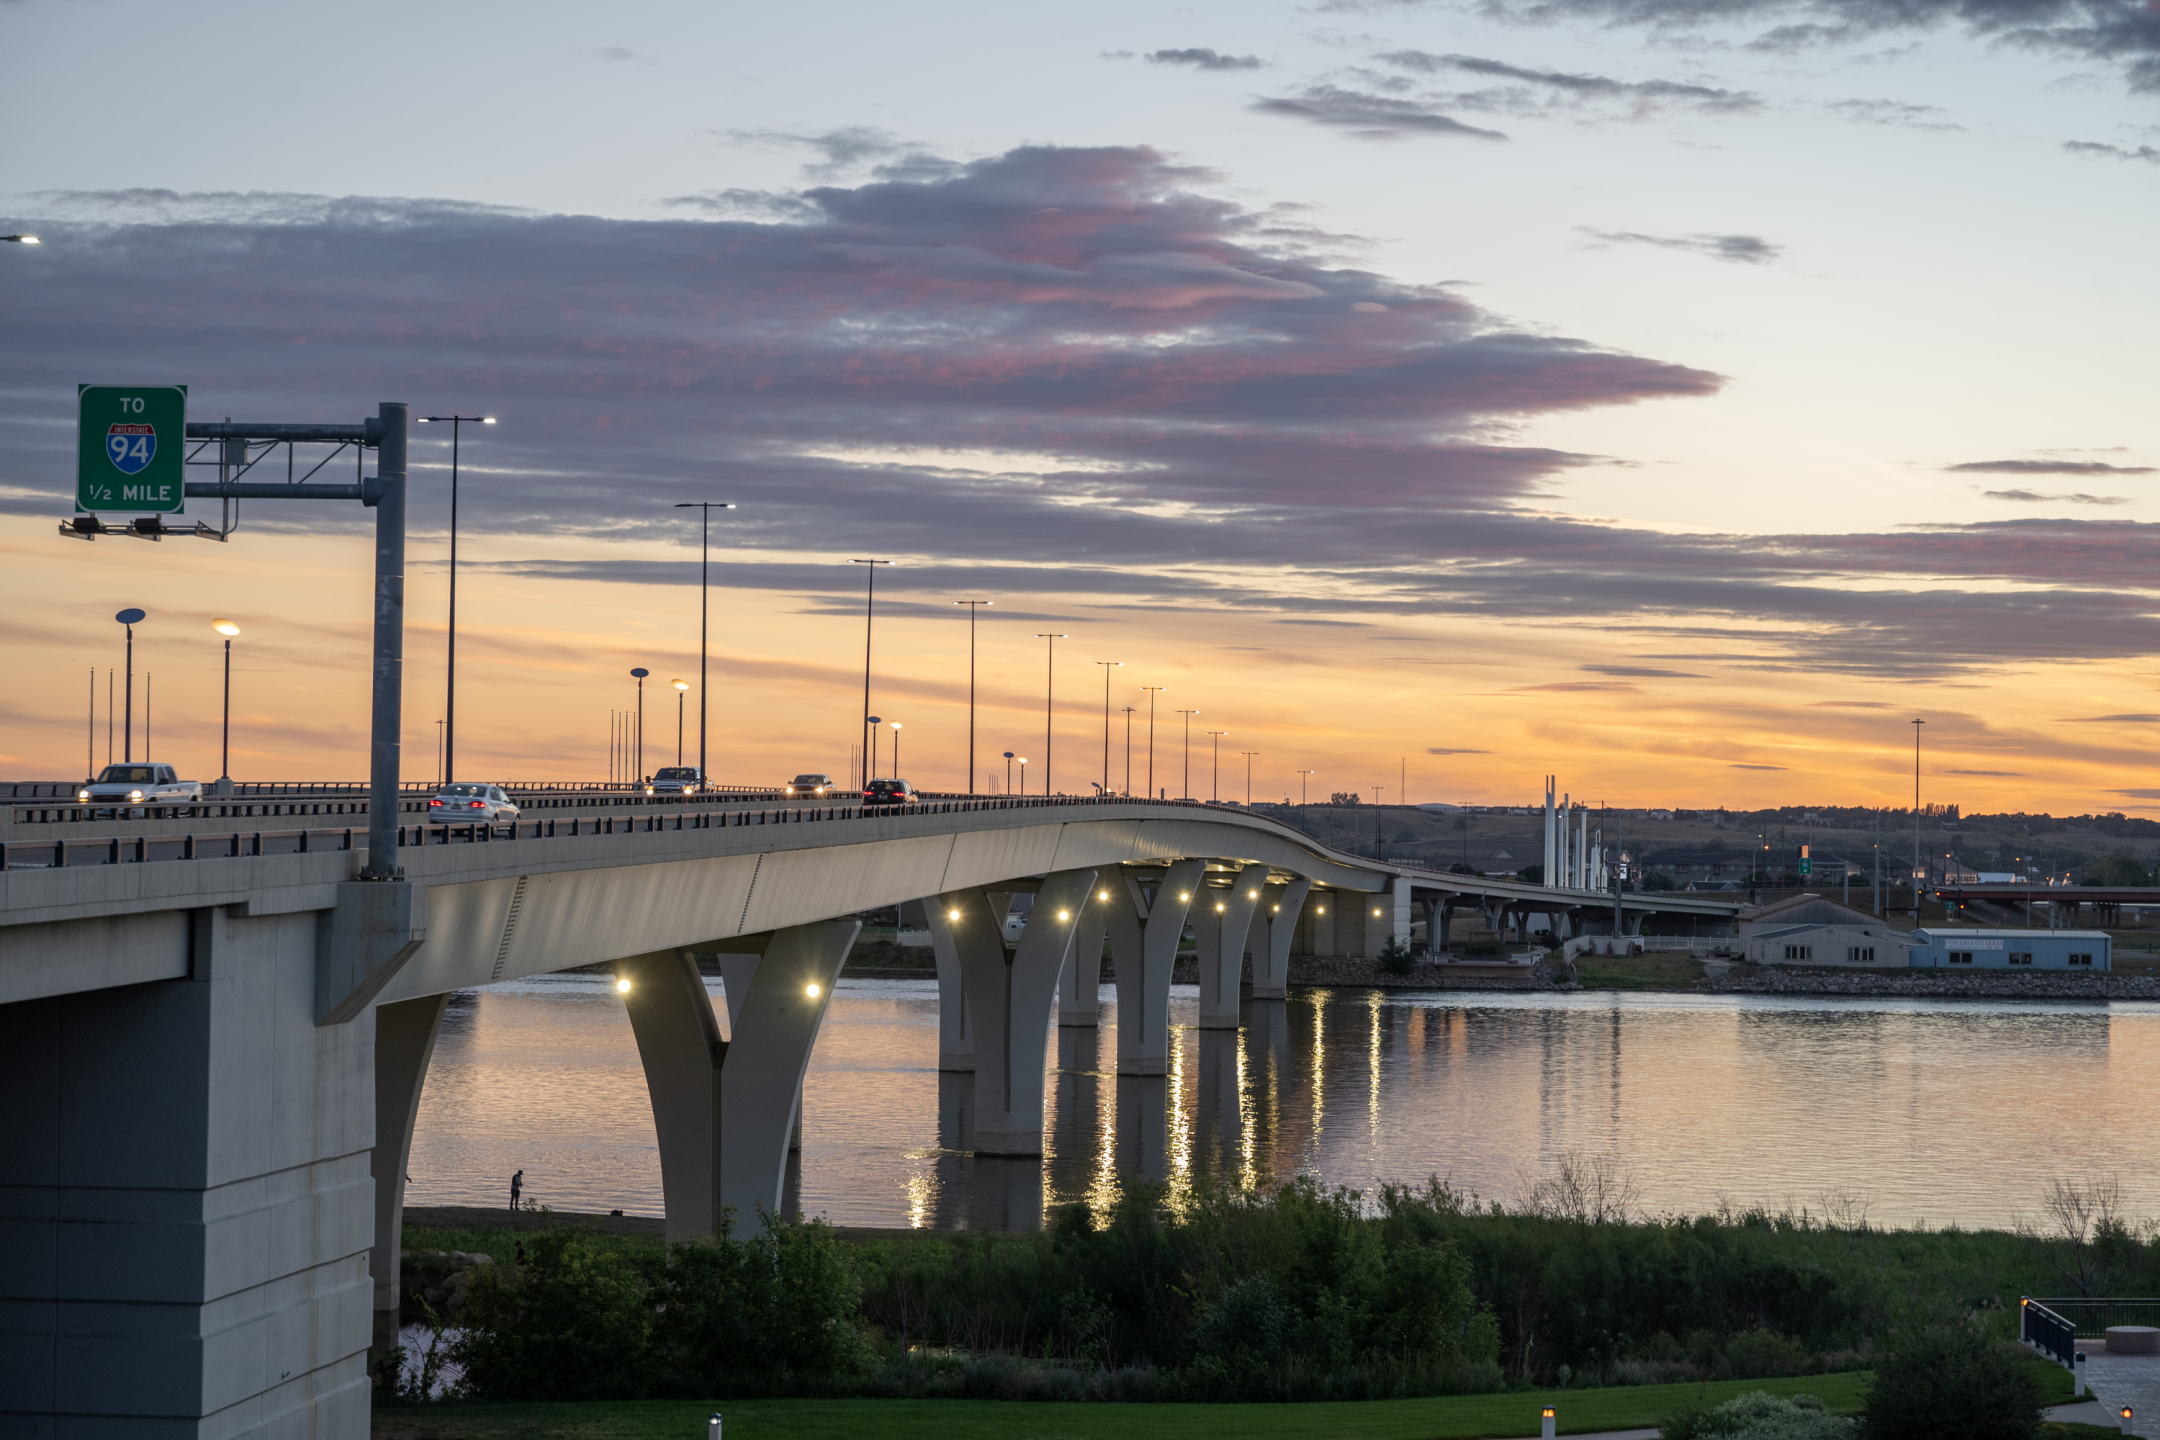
(213,1034)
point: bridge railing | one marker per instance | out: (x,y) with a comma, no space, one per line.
(47,852)
(36,854)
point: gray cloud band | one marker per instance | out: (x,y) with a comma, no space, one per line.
(1068,373)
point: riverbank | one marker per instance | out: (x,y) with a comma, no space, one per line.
(1932,984)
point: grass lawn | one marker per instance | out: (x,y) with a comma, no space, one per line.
(1656,971)
(1453,1417)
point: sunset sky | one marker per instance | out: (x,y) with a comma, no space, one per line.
(1680,396)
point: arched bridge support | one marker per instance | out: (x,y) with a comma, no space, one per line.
(1222,918)
(1146,923)
(405,1035)
(1274,928)
(724,1112)
(1009,996)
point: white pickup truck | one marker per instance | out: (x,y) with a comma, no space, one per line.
(143,784)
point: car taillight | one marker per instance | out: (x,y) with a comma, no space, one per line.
(478,805)
(434,804)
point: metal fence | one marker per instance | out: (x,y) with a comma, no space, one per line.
(2090,1316)
(2047,1332)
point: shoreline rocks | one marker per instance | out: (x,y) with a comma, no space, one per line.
(1932,984)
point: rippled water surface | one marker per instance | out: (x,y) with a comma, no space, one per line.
(1919,1110)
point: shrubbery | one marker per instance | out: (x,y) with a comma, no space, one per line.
(1952,1382)
(1759,1416)
(1298,1293)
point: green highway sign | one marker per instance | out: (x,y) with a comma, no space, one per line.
(1807,863)
(131,449)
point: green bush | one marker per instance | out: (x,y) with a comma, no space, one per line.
(771,1309)
(1395,957)
(1952,1382)
(1758,1416)
(572,1323)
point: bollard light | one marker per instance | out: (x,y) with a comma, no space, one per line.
(712,1427)
(1549,1423)
(623,986)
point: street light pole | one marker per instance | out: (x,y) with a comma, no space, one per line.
(130,618)
(1188,714)
(1128,751)
(1248,754)
(1916,820)
(227,629)
(1008,772)
(1302,774)
(1049,695)
(869,619)
(640,672)
(1107,667)
(896,749)
(870,756)
(1152,692)
(456,424)
(972,607)
(704,509)
(680,687)
(1215,779)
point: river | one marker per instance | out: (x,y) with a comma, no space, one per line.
(1904,1111)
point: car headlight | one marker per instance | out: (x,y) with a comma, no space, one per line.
(82,794)
(134,794)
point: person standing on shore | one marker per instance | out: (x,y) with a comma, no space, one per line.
(517,1188)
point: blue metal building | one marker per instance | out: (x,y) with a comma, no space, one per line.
(2010,949)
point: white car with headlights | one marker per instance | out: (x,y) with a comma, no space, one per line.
(471,802)
(140,784)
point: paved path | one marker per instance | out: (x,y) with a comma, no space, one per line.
(2119,1380)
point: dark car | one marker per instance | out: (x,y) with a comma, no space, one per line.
(888,792)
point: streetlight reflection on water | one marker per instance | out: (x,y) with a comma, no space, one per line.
(1694,1095)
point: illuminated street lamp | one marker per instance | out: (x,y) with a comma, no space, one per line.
(22,239)
(896,749)
(227,629)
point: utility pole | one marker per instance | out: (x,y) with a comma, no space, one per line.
(1128,750)
(704,566)
(1107,667)
(972,607)
(1916,821)
(869,618)
(1188,714)
(1152,692)
(1049,698)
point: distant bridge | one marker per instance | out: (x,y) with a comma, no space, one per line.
(213,1036)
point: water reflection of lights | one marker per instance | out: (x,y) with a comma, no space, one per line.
(1757,1097)
(1372,1065)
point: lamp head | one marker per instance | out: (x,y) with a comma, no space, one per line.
(680,684)
(130,616)
(225,628)
(641,672)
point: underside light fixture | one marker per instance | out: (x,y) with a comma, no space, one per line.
(622,986)
(1064,914)
(1184,895)
(812,990)
(1218,907)
(1376,911)
(1320,910)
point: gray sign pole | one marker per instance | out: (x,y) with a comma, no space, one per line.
(389,687)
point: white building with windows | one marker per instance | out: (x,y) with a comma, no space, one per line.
(1839,946)
(2010,949)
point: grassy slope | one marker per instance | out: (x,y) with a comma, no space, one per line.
(1453,1416)
(1674,970)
